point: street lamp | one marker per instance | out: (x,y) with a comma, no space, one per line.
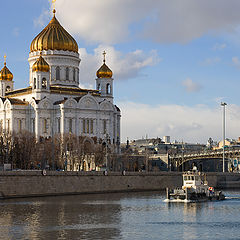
(106,153)
(223,104)
(182,157)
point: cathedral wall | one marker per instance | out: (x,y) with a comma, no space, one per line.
(84,118)
(19,120)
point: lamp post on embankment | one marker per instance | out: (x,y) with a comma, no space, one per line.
(182,157)
(223,104)
(106,152)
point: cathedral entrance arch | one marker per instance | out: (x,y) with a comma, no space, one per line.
(88,145)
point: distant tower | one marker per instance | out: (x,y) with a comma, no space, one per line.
(166,139)
(6,80)
(104,81)
(40,75)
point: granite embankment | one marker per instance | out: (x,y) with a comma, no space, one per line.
(34,183)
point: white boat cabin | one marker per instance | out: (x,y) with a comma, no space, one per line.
(192,179)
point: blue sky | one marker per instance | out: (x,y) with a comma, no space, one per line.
(173,61)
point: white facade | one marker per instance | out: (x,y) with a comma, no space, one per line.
(54,103)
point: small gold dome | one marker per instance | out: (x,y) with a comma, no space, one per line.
(5,74)
(104,71)
(54,37)
(40,65)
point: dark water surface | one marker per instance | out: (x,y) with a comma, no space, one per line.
(119,216)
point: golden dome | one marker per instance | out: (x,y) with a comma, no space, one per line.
(104,71)
(54,37)
(5,74)
(40,65)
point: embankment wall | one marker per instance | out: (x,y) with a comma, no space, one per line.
(33,183)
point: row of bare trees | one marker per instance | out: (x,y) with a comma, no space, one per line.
(23,151)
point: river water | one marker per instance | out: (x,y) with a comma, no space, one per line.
(119,216)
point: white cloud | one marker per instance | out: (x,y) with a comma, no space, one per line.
(219,46)
(104,21)
(211,61)
(124,66)
(236,62)
(191,86)
(109,22)
(185,20)
(192,124)
(41,21)
(16,31)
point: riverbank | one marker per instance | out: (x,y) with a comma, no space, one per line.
(33,183)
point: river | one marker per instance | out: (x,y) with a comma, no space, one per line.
(119,216)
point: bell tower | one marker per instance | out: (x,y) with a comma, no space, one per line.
(40,82)
(104,81)
(6,80)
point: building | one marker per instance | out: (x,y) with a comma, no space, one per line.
(157,146)
(156,152)
(53,103)
(229,143)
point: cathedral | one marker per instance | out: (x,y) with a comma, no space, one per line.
(53,103)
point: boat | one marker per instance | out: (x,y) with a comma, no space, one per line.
(194,189)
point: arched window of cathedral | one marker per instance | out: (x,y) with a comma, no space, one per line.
(33,125)
(34,83)
(84,126)
(45,125)
(59,125)
(88,126)
(74,75)
(70,125)
(19,125)
(104,126)
(57,73)
(8,89)
(108,88)
(99,87)
(91,126)
(44,83)
(67,73)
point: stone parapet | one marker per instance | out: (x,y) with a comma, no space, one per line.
(35,183)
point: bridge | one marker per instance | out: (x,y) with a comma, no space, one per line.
(205,159)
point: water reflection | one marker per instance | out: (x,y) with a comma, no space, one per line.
(118,216)
(72,217)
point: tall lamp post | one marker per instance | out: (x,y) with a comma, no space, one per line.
(223,104)
(106,153)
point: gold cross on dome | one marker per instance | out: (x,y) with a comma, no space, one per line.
(5,57)
(104,56)
(54,6)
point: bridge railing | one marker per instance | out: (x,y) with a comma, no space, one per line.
(204,153)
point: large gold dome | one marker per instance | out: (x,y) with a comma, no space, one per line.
(54,37)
